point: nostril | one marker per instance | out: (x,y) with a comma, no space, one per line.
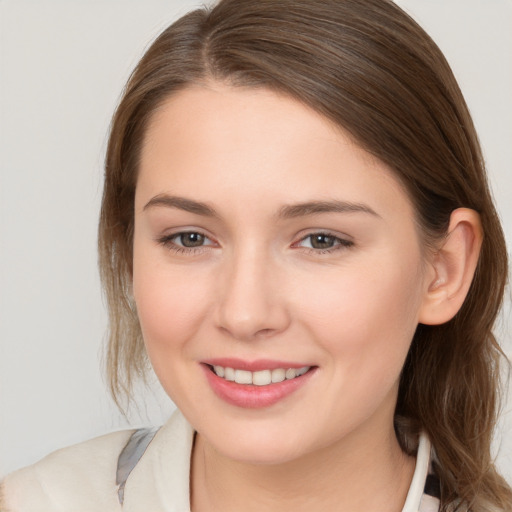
(263,333)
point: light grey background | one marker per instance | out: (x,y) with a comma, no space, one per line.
(62,67)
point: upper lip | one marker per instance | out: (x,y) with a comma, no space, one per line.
(253,366)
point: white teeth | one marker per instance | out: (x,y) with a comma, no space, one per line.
(291,373)
(259,378)
(302,371)
(243,377)
(262,378)
(229,374)
(278,375)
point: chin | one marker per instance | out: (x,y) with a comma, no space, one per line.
(263,445)
(270,455)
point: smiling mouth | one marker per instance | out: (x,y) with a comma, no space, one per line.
(258,378)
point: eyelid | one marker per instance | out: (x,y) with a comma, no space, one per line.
(343,241)
(181,233)
(167,240)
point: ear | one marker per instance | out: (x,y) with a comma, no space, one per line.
(453,268)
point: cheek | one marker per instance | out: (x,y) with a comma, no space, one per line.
(171,310)
(169,305)
(368,313)
(364,324)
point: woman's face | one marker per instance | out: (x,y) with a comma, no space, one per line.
(266,240)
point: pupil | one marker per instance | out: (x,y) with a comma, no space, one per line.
(192,239)
(322,241)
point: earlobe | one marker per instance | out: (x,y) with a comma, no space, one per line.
(454,266)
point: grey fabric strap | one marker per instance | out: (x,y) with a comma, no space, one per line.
(130,455)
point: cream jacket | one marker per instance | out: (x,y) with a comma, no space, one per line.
(82,478)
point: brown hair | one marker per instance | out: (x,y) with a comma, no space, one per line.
(371,69)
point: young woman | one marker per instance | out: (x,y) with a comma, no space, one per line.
(297,233)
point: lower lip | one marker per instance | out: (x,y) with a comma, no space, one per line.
(251,396)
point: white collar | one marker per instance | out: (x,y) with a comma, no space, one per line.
(415,494)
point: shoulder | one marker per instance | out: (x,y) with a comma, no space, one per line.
(80,477)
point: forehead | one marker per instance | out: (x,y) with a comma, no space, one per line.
(250,144)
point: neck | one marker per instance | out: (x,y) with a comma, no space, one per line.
(359,473)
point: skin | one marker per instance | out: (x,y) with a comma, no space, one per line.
(258,289)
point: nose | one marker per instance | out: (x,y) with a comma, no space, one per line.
(251,303)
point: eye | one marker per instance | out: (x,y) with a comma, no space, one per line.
(324,242)
(185,241)
(321,241)
(190,239)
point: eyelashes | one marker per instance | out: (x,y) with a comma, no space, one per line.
(196,242)
(323,242)
(186,242)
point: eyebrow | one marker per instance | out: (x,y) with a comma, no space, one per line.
(181,203)
(315,207)
(286,212)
